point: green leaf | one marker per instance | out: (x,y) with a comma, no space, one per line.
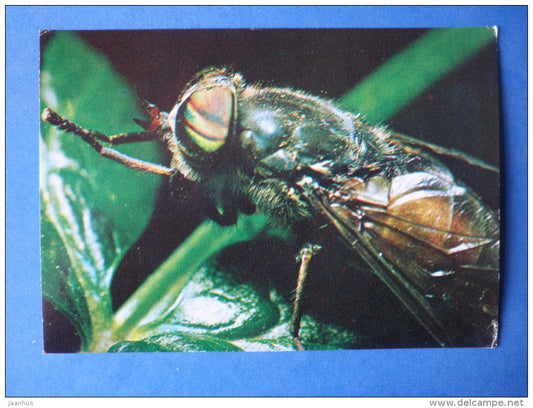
(84,277)
(60,286)
(92,209)
(215,303)
(81,85)
(215,306)
(174,342)
(162,289)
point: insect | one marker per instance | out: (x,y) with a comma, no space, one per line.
(302,160)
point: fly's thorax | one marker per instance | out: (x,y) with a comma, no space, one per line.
(279,199)
(283,130)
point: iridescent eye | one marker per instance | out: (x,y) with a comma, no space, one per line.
(207,117)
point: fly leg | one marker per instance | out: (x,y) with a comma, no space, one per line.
(304,257)
(92,137)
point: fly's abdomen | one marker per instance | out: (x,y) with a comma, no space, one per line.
(431,222)
(436,237)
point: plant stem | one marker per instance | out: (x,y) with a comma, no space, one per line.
(407,74)
(162,289)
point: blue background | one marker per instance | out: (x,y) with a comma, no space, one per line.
(410,372)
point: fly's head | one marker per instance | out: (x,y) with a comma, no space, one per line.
(203,125)
(219,119)
(251,144)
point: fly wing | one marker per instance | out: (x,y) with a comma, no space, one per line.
(421,147)
(405,140)
(430,241)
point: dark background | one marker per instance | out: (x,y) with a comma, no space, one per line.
(460,111)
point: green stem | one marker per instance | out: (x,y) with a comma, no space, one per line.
(407,74)
(162,289)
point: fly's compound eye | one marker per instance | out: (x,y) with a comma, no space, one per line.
(207,117)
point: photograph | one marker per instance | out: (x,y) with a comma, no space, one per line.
(266,201)
(263,190)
